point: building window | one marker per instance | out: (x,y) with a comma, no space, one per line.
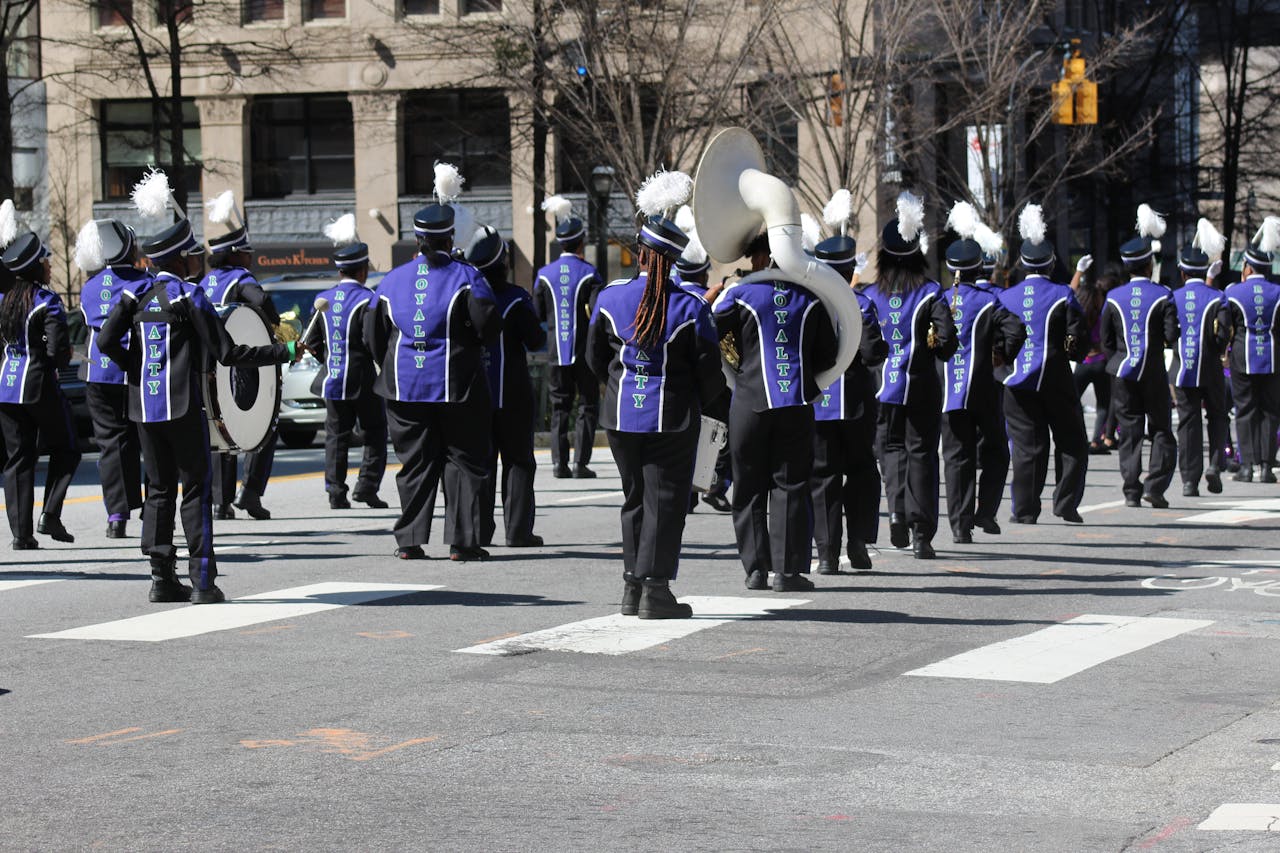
(420,7)
(302,146)
(113,13)
(24,46)
(130,147)
(320,10)
(470,128)
(178,9)
(263,10)
(474,7)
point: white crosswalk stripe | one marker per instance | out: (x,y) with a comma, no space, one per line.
(1263,817)
(20,581)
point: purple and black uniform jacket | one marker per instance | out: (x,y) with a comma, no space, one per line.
(698,290)
(336,337)
(97,299)
(843,400)
(237,286)
(985,327)
(174,335)
(565,291)
(1050,313)
(30,367)
(785,339)
(1251,311)
(1200,345)
(661,388)
(427,329)
(1138,321)
(505,359)
(905,319)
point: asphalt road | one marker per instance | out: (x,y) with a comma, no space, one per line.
(1132,703)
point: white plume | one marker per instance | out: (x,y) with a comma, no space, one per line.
(1268,238)
(910,217)
(88,249)
(221,207)
(1210,240)
(8,223)
(1031,225)
(963,220)
(684,219)
(1150,223)
(448,185)
(342,231)
(558,207)
(464,225)
(663,192)
(839,210)
(694,253)
(810,232)
(152,195)
(924,244)
(990,241)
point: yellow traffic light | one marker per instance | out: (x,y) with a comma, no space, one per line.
(835,99)
(1063,103)
(1075,96)
(1086,102)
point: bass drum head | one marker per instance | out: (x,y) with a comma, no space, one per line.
(245,400)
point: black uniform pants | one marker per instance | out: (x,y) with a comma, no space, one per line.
(426,436)
(657,478)
(24,424)
(257,471)
(340,420)
(119,453)
(512,428)
(1030,418)
(970,436)
(1095,374)
(1142,409)
(566,382)
(846,482)
(1257,397)
(909,438)
(176,452)
(1196,408)
(772,508)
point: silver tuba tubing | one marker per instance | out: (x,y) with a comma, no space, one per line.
(732,197)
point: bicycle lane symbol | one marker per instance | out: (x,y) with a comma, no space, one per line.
(1261,579)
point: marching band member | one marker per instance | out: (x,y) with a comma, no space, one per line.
(229,282)
(33,330)
(511,394)
(1138,321)
(1196,372)
(345,380)
(174,334)
(973,425)
(654,346)
(785,338)
(1251,317)
(916,321)
(107,250)
(846,481)
(564,291)
(431,320)
(1040,392)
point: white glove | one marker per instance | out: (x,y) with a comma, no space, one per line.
(1215,268)
(1084,263)
(859,263)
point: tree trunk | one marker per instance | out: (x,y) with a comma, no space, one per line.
(6,119)
(177,146)
(539,140)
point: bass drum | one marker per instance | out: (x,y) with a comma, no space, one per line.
(242,403)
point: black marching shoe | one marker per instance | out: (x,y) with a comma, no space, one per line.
(1243,475)
(252,504)
(859,559)
(410,552)
(1132,501)
(209,595)
(1022,519)
(759,579)
(921,548)
(899,532)
(828,564)
(561,472)
(1190,490)
(717,502)
(338,500)
(657,602)
(25,543)
(987,525)
(165,586)
(52,527)
(371,501)
(467,553)
(1266,475)
(791,583)
(1213,482)
(1156,501)
(115,529)
(533,540)
(630,595)
(1072,516)
(223,512)
(962,537)
(582,472)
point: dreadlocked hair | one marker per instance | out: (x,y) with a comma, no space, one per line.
(14,309)
(651,313)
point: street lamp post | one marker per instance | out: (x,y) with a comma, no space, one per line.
(601,188)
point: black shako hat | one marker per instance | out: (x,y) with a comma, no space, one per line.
(570,230)
(1036,255)
(433,219)
(351,255)
(837,251)
(1257,258)
(487,249)
(118,241)
(232,241)
(1137,250)
(892,242)
(663,236)
(1192,259)
(24,253)
(686,267)
(176,238)
(964,255)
